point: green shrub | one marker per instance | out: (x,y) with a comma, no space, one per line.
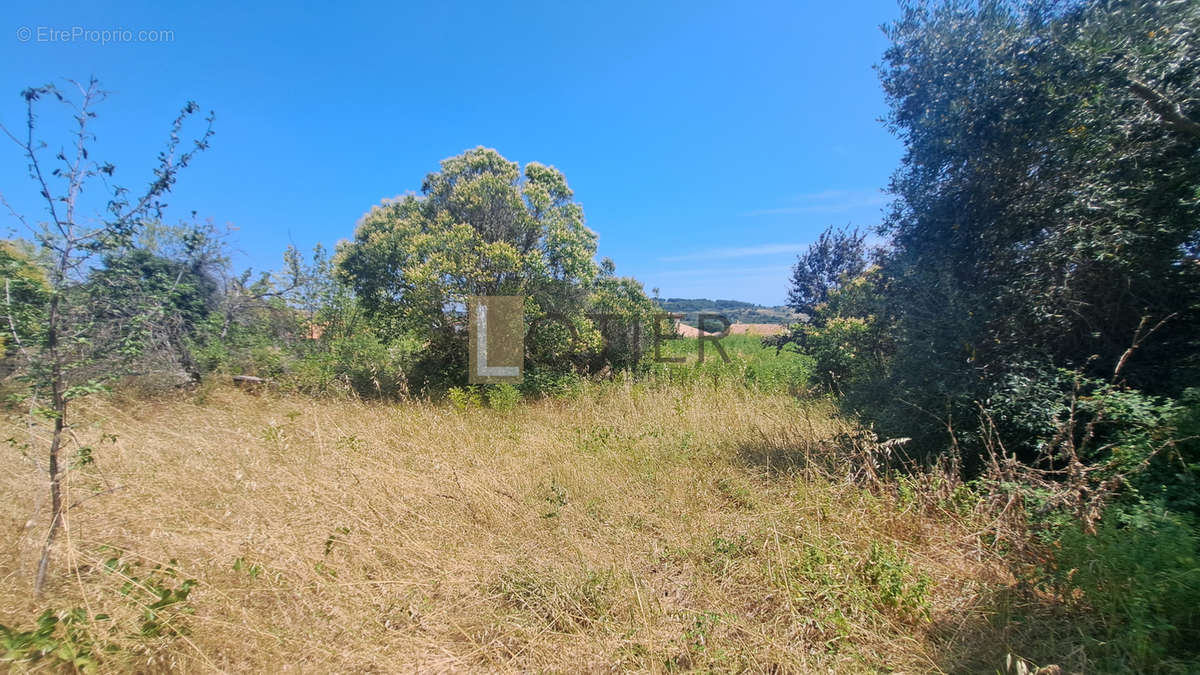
(838,348)
(73,641)
(463,398)
(1138,578)
(503,396)
(897,585)
(359,363)
(543,382)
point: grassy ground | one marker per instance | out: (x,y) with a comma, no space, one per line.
(654,527)
(745,360)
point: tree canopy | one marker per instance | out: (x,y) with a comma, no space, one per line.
(483,226)
(1048,203)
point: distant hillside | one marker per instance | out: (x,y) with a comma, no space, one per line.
(736,311)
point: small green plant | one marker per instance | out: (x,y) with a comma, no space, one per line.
(736,493)
(503,396)
(251,569)
(699,650)
(334,537)
(731,547)
(72,647)
(84,456)
(350,444)
(697,634)
(275,433)
(839,587)
(724,551)
(556,497)
(160,594)
(464,398)
(894,581)
(594,439)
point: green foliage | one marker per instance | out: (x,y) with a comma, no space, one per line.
(484,227)
(848,337)
(304,330)
(253,570)
(160,594)
(556,498)
(359,363)
(503,396)
(841,586)
(82,643)
(181,285)
(899,588)
(71,647)
(698,638)
(1138,579)
(619,311)
(1134,449)
(1046,215)
(737,493)
(836,256)
(1149,443)
(542,381)
(841,348)
(25,291)
(464,398)
(1042,289)
(334,537)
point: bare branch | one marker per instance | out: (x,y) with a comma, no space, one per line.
(1170,111)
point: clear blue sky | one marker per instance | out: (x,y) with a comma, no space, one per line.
(707,142)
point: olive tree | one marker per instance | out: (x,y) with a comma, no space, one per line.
(1046,206)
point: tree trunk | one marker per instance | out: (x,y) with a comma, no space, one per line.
(59,401)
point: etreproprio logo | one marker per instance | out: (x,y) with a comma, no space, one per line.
(496,336)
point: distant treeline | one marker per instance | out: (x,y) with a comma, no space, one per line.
(736,311)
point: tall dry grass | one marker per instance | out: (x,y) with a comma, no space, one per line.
(636,526)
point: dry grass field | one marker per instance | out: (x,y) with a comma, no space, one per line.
(633,527)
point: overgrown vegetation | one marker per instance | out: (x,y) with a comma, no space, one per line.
(1034,316)
(642,524)
(979,450)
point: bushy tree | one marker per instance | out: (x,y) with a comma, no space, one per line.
(148,301)
(483,226)
(1047,204)
(1044,286)
(844,327)
(835,257)
(850,337)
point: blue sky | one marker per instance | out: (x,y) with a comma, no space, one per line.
(707,142)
